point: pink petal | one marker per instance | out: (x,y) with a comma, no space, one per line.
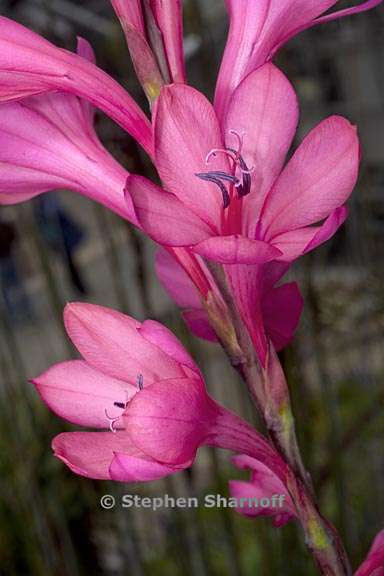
(169,17)
(373,565)
(332,16)
(236,249)
(261,473)
(272,273)
(48,142)
(257,27)
(90,454)
(246,23)
(163,217)
(127,468)
(318,179)
(80,394)
(186,130)
(196,269)
(298,242)
(198,323)
(328,228)
(281,309)
(181,289)
(85,50)
(263,484)
(176,281)
(264,108)
(246,284)
(13,181)
(349,11)
(112,342)
(249,498)
(31,65)
(284,21)
(170,419)
(165,340)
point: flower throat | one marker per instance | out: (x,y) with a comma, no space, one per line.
(242,183)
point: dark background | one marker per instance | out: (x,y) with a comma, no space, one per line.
(51,522)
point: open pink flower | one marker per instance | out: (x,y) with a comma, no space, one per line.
(140,387)
(258,28)
(225,197)
(233,201)
(280,306)
(265,486)
(373,565)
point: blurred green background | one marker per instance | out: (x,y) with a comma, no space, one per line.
(51,522)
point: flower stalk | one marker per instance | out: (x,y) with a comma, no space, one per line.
(269,390)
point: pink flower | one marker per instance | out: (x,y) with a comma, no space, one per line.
(258,28)
(226,199)
(280,307)
(140,387)
(265,486)
(31,65)
(233,201)
(48,141)
(373,565)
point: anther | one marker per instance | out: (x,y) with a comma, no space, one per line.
(211,177)
(244,186)
(140,381)
(243,183)
(121,405)
(215,151)
(240,138)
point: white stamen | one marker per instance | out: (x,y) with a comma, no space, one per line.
(216,151)
(111,421)
(240,139)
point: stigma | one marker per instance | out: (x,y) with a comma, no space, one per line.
(242,181)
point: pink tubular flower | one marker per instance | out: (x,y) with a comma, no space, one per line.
(233,201)
(31,65)
(137,384)
(373,565)
(48,141)
(265,486)
(258,28)
(280,307)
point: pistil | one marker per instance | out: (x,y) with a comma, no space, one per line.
(220,178)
